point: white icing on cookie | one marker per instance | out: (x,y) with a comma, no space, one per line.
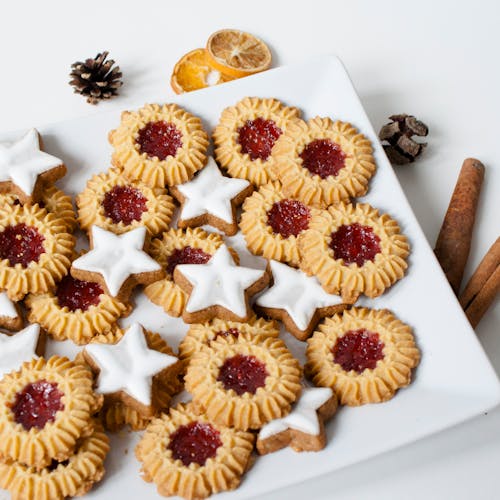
(17,348)
(296,293)
(219,282)
(129,365)
(7,308)
(210,193)
(21,162)
(303,417)
(116,257)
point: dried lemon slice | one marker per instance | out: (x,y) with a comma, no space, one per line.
(193,71)
(237,53)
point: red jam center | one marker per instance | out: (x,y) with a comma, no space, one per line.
(21,244)
(76,294)
(159,139)
(124,204)
(355,244)
(358,350)
(234,332)
(186,255)
(288,217)
(37,404)
(323,157)
(194,442)
(242,374)
(257,138)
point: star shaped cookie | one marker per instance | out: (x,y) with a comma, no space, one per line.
(126,369)
(25,168)
(117,262)
(211,198)
(219,289)
(10,314)
(297,299)
(303,428)
(19,347)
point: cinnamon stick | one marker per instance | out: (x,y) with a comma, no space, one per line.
(483,286)
(453,243)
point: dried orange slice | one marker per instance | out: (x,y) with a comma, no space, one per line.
(193,71)
(237,53)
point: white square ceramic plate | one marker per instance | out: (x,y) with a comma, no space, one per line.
(454,381)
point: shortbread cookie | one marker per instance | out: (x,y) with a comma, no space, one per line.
(54,201)
(45,408)
(220,288)
(116,204)
(271,222)
(189,455)
(244,382)
(353,249)
(303,429)
(19,347)
(25,169)
(178,246)
(117,262)
(73,477)
(200,335)
(34,250)
(364,355)
(126,370)
(321,162)
(10,313)
(297,299)
(159,145)
(210,198)
(76,310)
(246,134)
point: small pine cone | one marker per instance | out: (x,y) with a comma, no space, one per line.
(402,148)
(96,78)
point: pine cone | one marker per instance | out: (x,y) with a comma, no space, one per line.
(96,78)
(402,148)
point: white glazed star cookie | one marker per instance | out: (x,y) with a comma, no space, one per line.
(10,314)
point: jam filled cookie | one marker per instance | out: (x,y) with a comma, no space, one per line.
(25,169)
(59,480)
(117,262)
(246,134)
(220,288)
(10,313)
(45,408)
(34,250)
(178,246)
(76,310)
(301,310)
(303,429)
(352,249)
(159,145)
(116,204)
(189,455)
(210,198)
(244,382)
(271,222)
(321,162)
(363,355)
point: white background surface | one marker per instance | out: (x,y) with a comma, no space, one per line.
(436,60)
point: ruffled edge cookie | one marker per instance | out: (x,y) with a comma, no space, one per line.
(165,292)
(172,477)
(259,235)
(75,478)
(248,411)
(190,157)
(392,372)
(298,182)
(156,218)
(57,440)
(373,277)
(41,276)
(225,136)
